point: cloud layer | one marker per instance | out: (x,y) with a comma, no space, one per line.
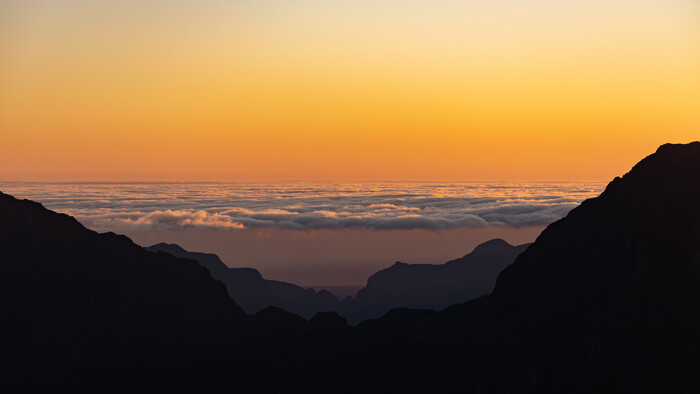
(307,206)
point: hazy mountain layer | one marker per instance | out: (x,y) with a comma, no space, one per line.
(420,286)
(432,286)
(253,293)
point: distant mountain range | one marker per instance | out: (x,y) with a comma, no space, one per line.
(251,291)
(418,286)
(340,291)
(605,300)
(430,286)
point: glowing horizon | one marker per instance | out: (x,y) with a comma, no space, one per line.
(521,90)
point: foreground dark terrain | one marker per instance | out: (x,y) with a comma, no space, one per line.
(606,299)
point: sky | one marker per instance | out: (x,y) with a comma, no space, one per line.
(213,90)
(344,95)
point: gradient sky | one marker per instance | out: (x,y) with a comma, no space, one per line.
(345,90)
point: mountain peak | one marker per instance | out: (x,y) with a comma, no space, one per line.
(670,147)
(167,247)
(494,244)
(637,239)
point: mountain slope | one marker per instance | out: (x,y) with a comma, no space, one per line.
(605,300)
(71,298)
(251,291)
(639,238)
(420,286)
(616,281)
(428,286)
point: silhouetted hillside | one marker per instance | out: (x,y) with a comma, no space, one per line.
(606,300)
(419,286)
(253,293)
(72,299)
(615,283)
(429,286)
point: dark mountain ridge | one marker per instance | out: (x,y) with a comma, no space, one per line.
(622,271)
(432,286)
(418,286)
(251,291)
(605,300)
(71,297)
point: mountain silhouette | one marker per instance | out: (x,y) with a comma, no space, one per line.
(431,286)
(418,286)
(251,291)
(605,300)
(73,299)
(616,283)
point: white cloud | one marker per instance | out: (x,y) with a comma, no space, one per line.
(169,219)
(147,207)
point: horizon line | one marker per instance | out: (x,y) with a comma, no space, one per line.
(73,182)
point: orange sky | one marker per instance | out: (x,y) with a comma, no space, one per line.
(343,90)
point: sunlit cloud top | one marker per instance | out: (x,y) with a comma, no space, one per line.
(308,206)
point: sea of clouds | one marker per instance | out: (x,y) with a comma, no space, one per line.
(129,207)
